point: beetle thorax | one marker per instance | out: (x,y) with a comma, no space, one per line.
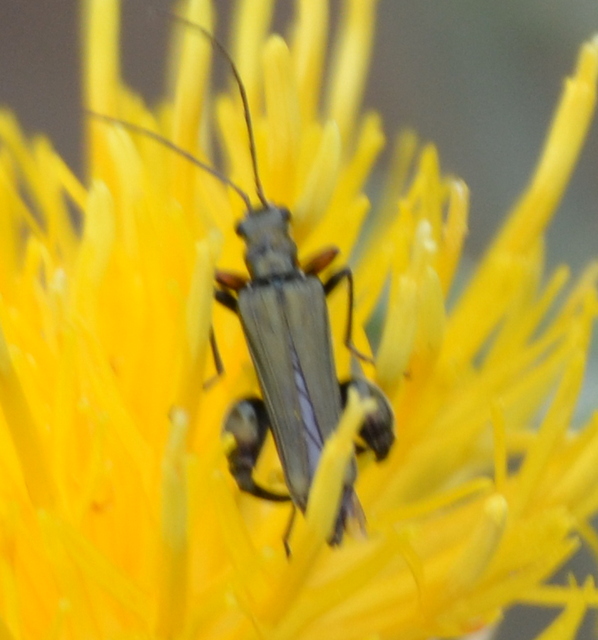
(271,251)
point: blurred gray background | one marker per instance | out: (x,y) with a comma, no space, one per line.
(480,79)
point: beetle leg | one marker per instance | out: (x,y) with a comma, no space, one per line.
(377,431)
(330,285)
(217,361)
(231,280)
(248,423)
(288,530)
(216,354)
(227,299)
(320,261)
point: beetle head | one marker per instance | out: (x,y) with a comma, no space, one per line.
(270,249)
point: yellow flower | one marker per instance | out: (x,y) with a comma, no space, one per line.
(118,517)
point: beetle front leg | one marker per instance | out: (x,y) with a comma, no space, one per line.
(378,428)
(217,361)
(227,299)
(248,423)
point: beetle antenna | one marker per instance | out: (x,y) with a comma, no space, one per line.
(246,112)
(134,128)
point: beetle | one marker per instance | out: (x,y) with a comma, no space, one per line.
(283,312)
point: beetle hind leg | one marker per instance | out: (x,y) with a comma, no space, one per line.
(248,423)
(377,431)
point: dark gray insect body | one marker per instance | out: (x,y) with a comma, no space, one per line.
(284,316)
(287,330)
